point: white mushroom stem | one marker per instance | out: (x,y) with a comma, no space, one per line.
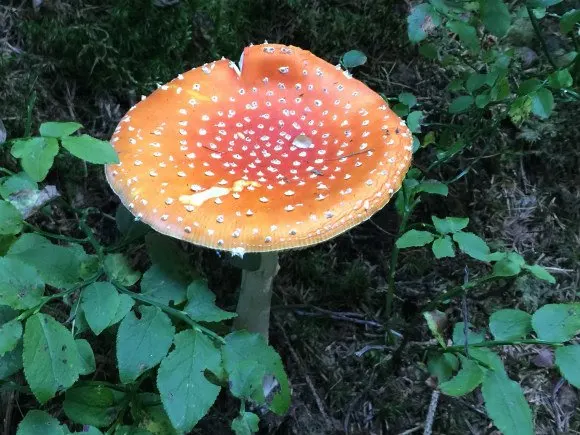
(256,295)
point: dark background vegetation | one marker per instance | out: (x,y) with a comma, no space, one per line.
(90,60)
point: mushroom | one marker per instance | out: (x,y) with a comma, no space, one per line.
(283,151)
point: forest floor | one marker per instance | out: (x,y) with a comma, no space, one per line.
(90,60)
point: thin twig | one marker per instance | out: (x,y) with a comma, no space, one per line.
(465,313)
(431,412)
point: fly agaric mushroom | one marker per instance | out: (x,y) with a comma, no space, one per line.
(284,151)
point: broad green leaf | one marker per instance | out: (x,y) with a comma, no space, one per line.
(164,286)
(540,273)
(246,423)
(466,33)
(473,337)
(507,267)
(568,361)
(39,422)
(88,430)
(99,302)
(10,334)
(11,362)
(466,380)
(126,302)
(353,58)
(506,405)
(131,430)
(520,109)
(16,183)
(487,358)
(414,238)
(36,155)
(247,358)
(449,225)
(442,366)
(119,270)
(5,243)
(58,266)
(142,342)
(510,324)
(432,186)
(58,129)
(428,51)
(10,219)
(148,413)
(414,121)
(495,16)
(443,247)
(86,357)
(529,86)
(461,104)
(97,405)
(90,149)
(472,245)
(20,285)
(407,99)
(201,306)
(50,357)
(569,20)
(482,100)
(186,393)
(421,21)
(557,322)
(542,103)
(500,90)
(560,79)
(475,81)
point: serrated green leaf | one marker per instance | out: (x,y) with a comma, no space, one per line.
(186,393)
(414,238)
(529,86)
(433,187)
(466,380)
(131,430)
(20,285)
(142,342)
(442,366)
(99,302)
(10,219)
(39,422)
(449,225)
(97,405)
(461,104)
(422,19)
(246,423)
(473,337)
(472,245)
(407,99)
(201,304)
(119,270)
(10,334)
(569,20)
(560,79)
(353,58)
(467,34)
(443,247)
(510,324)
(568,361)
(542,103)
(36,155)
(495,16)
(163,286)
(429,51)
(126,302)
(506,405)
(16,183)
(86,357)
(540,273)
(50,357)
(58,129)
(90,149)
(506,267)
(557,322)
(248,357)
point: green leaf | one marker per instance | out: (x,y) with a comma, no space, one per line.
(39,422)
(17,183)
(10,219)
(540,273)
(473,337)
(506,405)
(542,103)
(433,187)
(90,149)
(413,238)
(557,322)
(487,357)
(247,359)
(86,357)
(58,129)
(475,81)
(186,393)
(428,51)
(163,286)
(10,334)
(495,16)
(443,247)
(58,266)
(472,245)
(353,58)
(449,225)
(568,361)
(421,21)
(442,366)
(414,121)
(529,86)
(507,267)
(542,3)
(119,270)
(467,34)
(99,302)
(50,357)
(11,362)
(510,324)
(88,430)
(20,286)
(131,430)
(466,380)
(569,20)
(36,155)
(201,306)
(126,302)
(482,100)
(246,423)
(461,104)
(142,342)
(560,79)
(407,99)
(500,90)
(97,405)
(150,415)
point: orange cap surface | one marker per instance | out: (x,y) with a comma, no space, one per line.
(286,151)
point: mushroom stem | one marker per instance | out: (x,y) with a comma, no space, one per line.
(255,296)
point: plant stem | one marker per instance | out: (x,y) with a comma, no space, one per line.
(256,295)
(458,290)
(54,236)
(538,31)
(493,343)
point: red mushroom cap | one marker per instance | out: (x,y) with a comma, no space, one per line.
(288,152)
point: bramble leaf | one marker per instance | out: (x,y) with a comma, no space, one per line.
(443,247)
(557,322)
(10,219)
(461,104)
(422,19)
(36,155)
(86,357)
(568,361)
(97,405)
(449,225)
(510,324)
(10,334)
(20,285)
(90,149)
(58,129)
(466,380)
(119,270)
(542,103)
(414,238)
(100,302)
(201,306)
(163,286)
(495,16)
(472,245)
(353,58)
(246,423)
(39,422)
